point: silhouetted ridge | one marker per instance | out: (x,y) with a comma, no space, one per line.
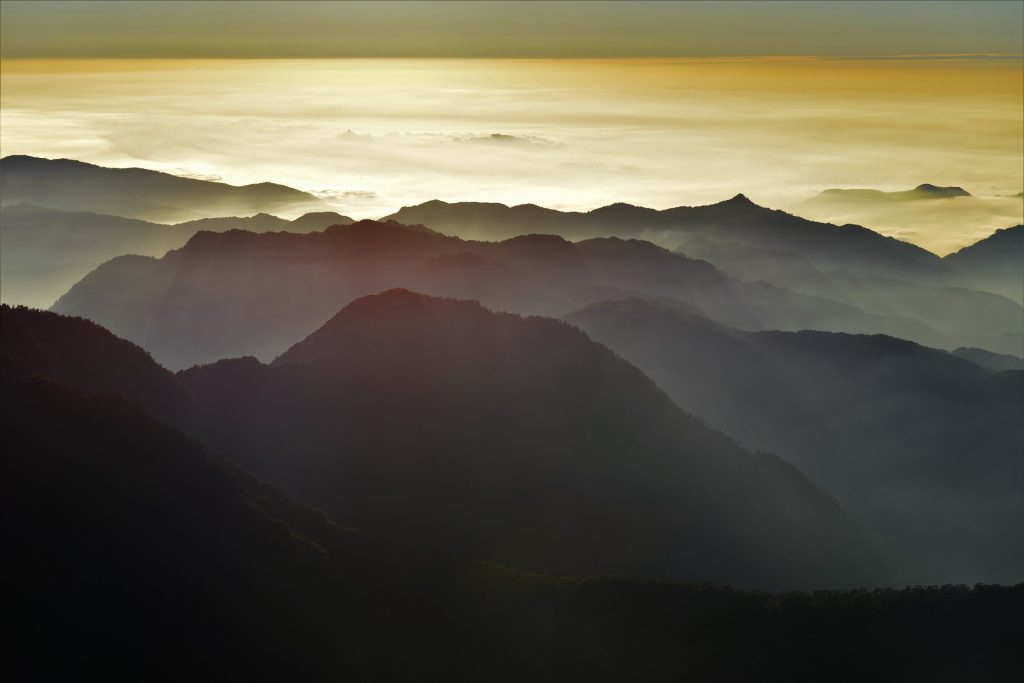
(82,355)
(737,221)
(876,419)
(996,362)
(461,432)
(130,545)
(138,193)
(924,191)
(943,191)
(236,293)
(994,263)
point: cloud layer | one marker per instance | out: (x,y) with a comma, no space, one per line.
(374,135)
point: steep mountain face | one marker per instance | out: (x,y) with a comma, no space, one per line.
(130,545)
(85,357)
(137,193)
(736,221)
(995,263)
(849,264)
(43,252)
(455,431)
(238,293)
(923,446)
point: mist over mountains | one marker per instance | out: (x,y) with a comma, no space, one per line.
(71,185)
(332,440)
(44,251)
(239,293)
(878,421)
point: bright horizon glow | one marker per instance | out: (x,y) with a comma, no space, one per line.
(372,135)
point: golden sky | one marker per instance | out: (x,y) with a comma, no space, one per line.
(373,134)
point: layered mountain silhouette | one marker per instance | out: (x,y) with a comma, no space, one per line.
(453,429)
(922,445)
(71,185)
(979,318)
(43,252)
(238,293)
(130,547)
(737,221)
(996,362)
(923,191)
(994,263)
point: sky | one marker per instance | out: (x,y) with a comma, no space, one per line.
(82,29)
(568,105)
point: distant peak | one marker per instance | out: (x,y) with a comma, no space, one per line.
(740,200)
(951,191)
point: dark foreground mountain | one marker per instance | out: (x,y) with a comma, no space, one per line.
(134,549)
(925,447)
(135,553)
(138,193)
(83,356)
(237,293)
(453,429)
(44,251)
(995,263)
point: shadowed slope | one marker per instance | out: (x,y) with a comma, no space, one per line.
(84,356)
(996,263)
(45,251)
(453,429)
(923,445)
(131,546)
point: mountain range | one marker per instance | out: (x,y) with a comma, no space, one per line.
(71,185)
(238,293)
(43,251)
(739,221)
(923,191)
(743,397)
(130,544)
(878,421)
(519,441)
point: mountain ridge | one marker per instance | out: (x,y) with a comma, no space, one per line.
(73,185)
(248,313)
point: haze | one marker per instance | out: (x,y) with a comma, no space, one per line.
(566,105)
(564,134)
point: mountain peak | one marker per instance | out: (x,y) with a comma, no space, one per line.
(739,200)
(389,317)
(940,191)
